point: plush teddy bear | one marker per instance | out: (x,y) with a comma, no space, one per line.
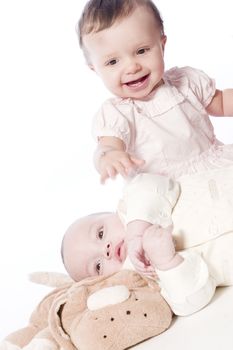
(99,313)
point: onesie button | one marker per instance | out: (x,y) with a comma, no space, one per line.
(213,189)
(139,110)
(162,214)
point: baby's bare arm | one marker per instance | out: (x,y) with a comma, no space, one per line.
(221,104)
(228,102)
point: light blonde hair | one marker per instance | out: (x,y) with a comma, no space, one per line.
(101,14)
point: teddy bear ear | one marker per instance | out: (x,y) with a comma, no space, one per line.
(56,326)
(50,279)
(68,306)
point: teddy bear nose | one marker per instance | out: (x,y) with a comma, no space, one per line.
(108,250)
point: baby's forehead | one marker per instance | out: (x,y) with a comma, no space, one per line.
(74,236)
(79,228)
(83,225)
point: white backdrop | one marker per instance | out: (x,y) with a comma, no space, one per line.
(48,97)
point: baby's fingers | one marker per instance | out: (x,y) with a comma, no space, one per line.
(103,177)
(137,161)
(140,266)
(108,172)
(131,165)
(111,171)
(120,168)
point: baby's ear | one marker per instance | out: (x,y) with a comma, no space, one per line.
(91,66)
(163,40)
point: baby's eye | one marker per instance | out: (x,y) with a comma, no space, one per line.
(98,267)
(111,62)
(142,50)
(100,233)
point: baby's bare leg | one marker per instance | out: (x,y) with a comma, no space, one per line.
(159,248)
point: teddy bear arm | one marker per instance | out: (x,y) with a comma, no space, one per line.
(43,341)
(21,337)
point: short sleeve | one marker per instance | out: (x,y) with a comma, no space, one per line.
(111,120)
(200,84)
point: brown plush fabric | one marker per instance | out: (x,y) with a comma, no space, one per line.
(63,318)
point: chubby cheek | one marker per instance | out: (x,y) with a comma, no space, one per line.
(110,267)
(111,80)
(160,64)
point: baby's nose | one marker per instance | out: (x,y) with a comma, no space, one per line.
(133,67)
(108,250)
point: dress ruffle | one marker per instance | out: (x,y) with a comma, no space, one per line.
(217,156)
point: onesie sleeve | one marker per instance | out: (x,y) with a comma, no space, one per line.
(200,84)
(188,287)
(151,198)
(111,120)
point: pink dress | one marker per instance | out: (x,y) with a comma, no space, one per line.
(170,129)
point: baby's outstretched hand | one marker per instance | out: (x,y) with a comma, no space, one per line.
(117,162)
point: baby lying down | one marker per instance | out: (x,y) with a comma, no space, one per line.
(180,233)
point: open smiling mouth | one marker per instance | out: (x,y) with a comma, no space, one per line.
(119,251)
(139,82)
